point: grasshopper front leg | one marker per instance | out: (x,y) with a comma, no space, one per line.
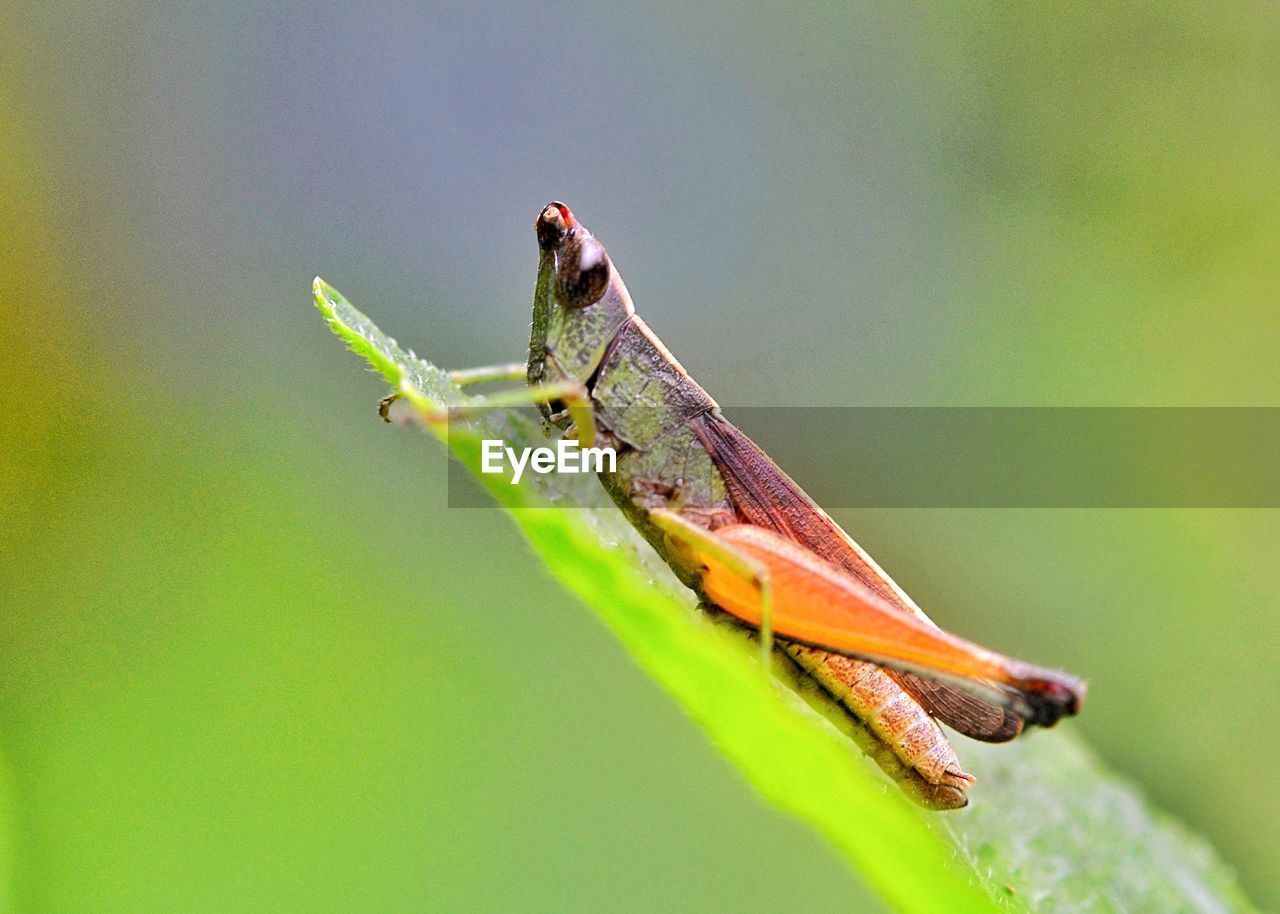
(572,394)
(507,371)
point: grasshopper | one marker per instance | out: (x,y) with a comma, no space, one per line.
(748,541)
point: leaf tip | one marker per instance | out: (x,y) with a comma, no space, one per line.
(323,293)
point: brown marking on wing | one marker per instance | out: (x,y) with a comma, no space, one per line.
(961,711)
(767,497)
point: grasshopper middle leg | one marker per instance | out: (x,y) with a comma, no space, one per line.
(706,544)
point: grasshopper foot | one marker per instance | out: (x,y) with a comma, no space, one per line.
(384,406)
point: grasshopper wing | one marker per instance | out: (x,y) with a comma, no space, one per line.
(766,497)
(961,711)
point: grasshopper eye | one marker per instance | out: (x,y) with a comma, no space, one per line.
(553,225)
(583,274)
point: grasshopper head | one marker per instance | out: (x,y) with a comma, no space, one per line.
(580,302)
(580,265)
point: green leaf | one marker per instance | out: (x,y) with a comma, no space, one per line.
(8,856)
(1050,830)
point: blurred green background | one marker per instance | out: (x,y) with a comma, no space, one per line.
(249,662)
